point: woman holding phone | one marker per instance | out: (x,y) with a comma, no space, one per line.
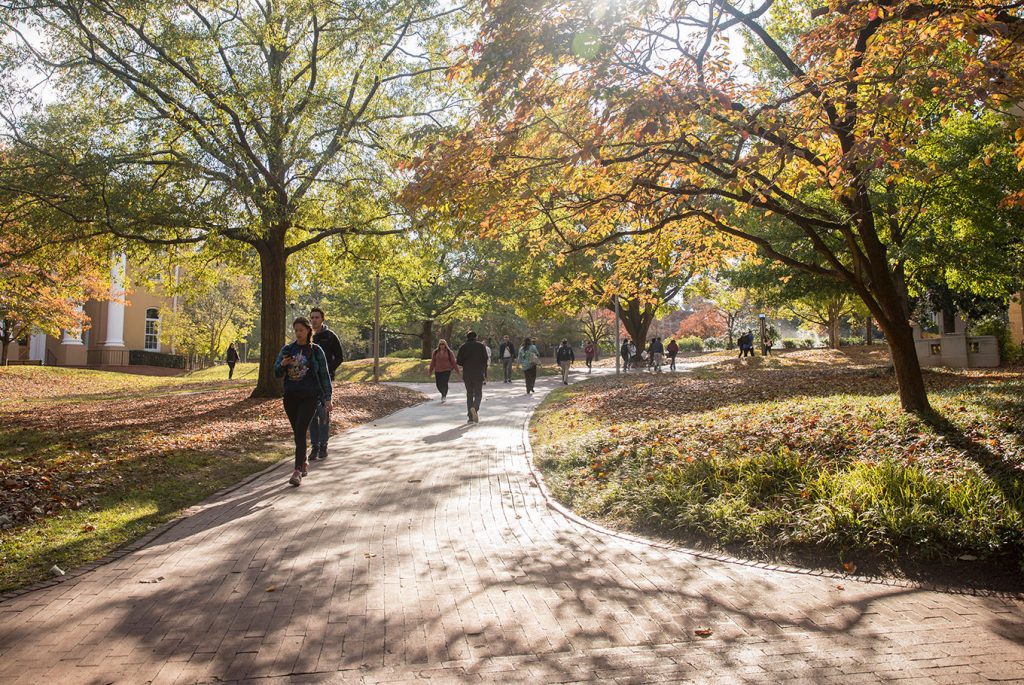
(307,383)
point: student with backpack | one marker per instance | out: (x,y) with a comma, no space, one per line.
(442,363)
(307,385)
(472,360)
(590,350)
(624,353)
(565,357)
(528,359)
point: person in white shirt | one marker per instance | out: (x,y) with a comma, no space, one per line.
(507,353)
(487,347)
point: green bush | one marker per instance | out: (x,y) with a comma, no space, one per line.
(714,343)
(850,342)
(998,328)
(690,344)
(790,343)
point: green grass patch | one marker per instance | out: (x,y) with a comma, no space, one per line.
(834,467)
(152,493)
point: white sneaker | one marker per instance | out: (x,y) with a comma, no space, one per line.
(474,414)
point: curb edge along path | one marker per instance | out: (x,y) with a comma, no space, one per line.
(424,549)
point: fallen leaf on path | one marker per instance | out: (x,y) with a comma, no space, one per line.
(703,632)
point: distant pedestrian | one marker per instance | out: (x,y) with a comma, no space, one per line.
(768,344)
(633,356)
(320,426)
(232,359)
(589,351)
(472,360)
(528,360)
(565,357)
(657,352)
(507,353)
(673,350)
(442,363)
(307,383)
(624,353)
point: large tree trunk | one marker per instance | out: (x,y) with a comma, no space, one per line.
(5,345)
(637,321)
(427,336)
(913,394)
(869,331)
(272,313)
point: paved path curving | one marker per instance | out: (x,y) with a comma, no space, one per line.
(423,550)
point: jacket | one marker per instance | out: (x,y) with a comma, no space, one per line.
(525,354)
(565,354)
(329,343)
(513,353)
(589,350)
(673,348)
(472,357)
(317,366)
(232,355)
(441,362)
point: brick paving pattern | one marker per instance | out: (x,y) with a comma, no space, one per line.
(424,551)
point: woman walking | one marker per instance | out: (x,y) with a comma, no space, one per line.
(442,363)
(590,350)
(232,359)
(528,358)
(307,384)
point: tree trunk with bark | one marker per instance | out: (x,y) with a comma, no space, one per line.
(869,331)
(272,312)
(427,338)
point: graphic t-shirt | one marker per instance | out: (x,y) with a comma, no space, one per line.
(299,376)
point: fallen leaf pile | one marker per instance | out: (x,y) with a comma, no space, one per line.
(68,451)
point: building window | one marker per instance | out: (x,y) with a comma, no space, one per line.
(153,329)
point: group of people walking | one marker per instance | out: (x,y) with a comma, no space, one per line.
(653,357)
(308,365)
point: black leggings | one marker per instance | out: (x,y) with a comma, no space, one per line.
(441,379)
(300,410)
(531,377)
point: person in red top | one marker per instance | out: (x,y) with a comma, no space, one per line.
(673,350)
(590,350)
(442,363)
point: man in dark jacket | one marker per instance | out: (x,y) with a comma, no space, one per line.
(565,357)
(320,426)
(507,353)
(472,359)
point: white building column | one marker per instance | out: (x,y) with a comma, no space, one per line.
(115,307)
(72,337)
(37,347)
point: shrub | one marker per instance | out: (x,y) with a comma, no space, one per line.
(714,343)
(850,342)
(690,344)
(995,326)
(790,343)
(807,343)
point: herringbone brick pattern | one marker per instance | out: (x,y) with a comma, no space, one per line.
(423,550)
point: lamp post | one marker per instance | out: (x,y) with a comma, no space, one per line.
(764,332)
(618,336)
(376,328)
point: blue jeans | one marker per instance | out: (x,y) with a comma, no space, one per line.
(320,426)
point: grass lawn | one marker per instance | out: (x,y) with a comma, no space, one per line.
(90,460)
(394,369)
(804,457)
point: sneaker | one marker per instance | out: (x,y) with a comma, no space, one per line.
(323,452)
(296,478)
(305,469)
(443,400)
(474,415)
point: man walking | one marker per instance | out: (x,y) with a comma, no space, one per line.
(472,359)
(565,357)
(624,353)
(320,426)
(507,353)
(657,351)
(590,350)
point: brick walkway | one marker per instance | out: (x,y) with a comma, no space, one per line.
(423,550)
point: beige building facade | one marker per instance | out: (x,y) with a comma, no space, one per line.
(123,331)
(1017,318)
